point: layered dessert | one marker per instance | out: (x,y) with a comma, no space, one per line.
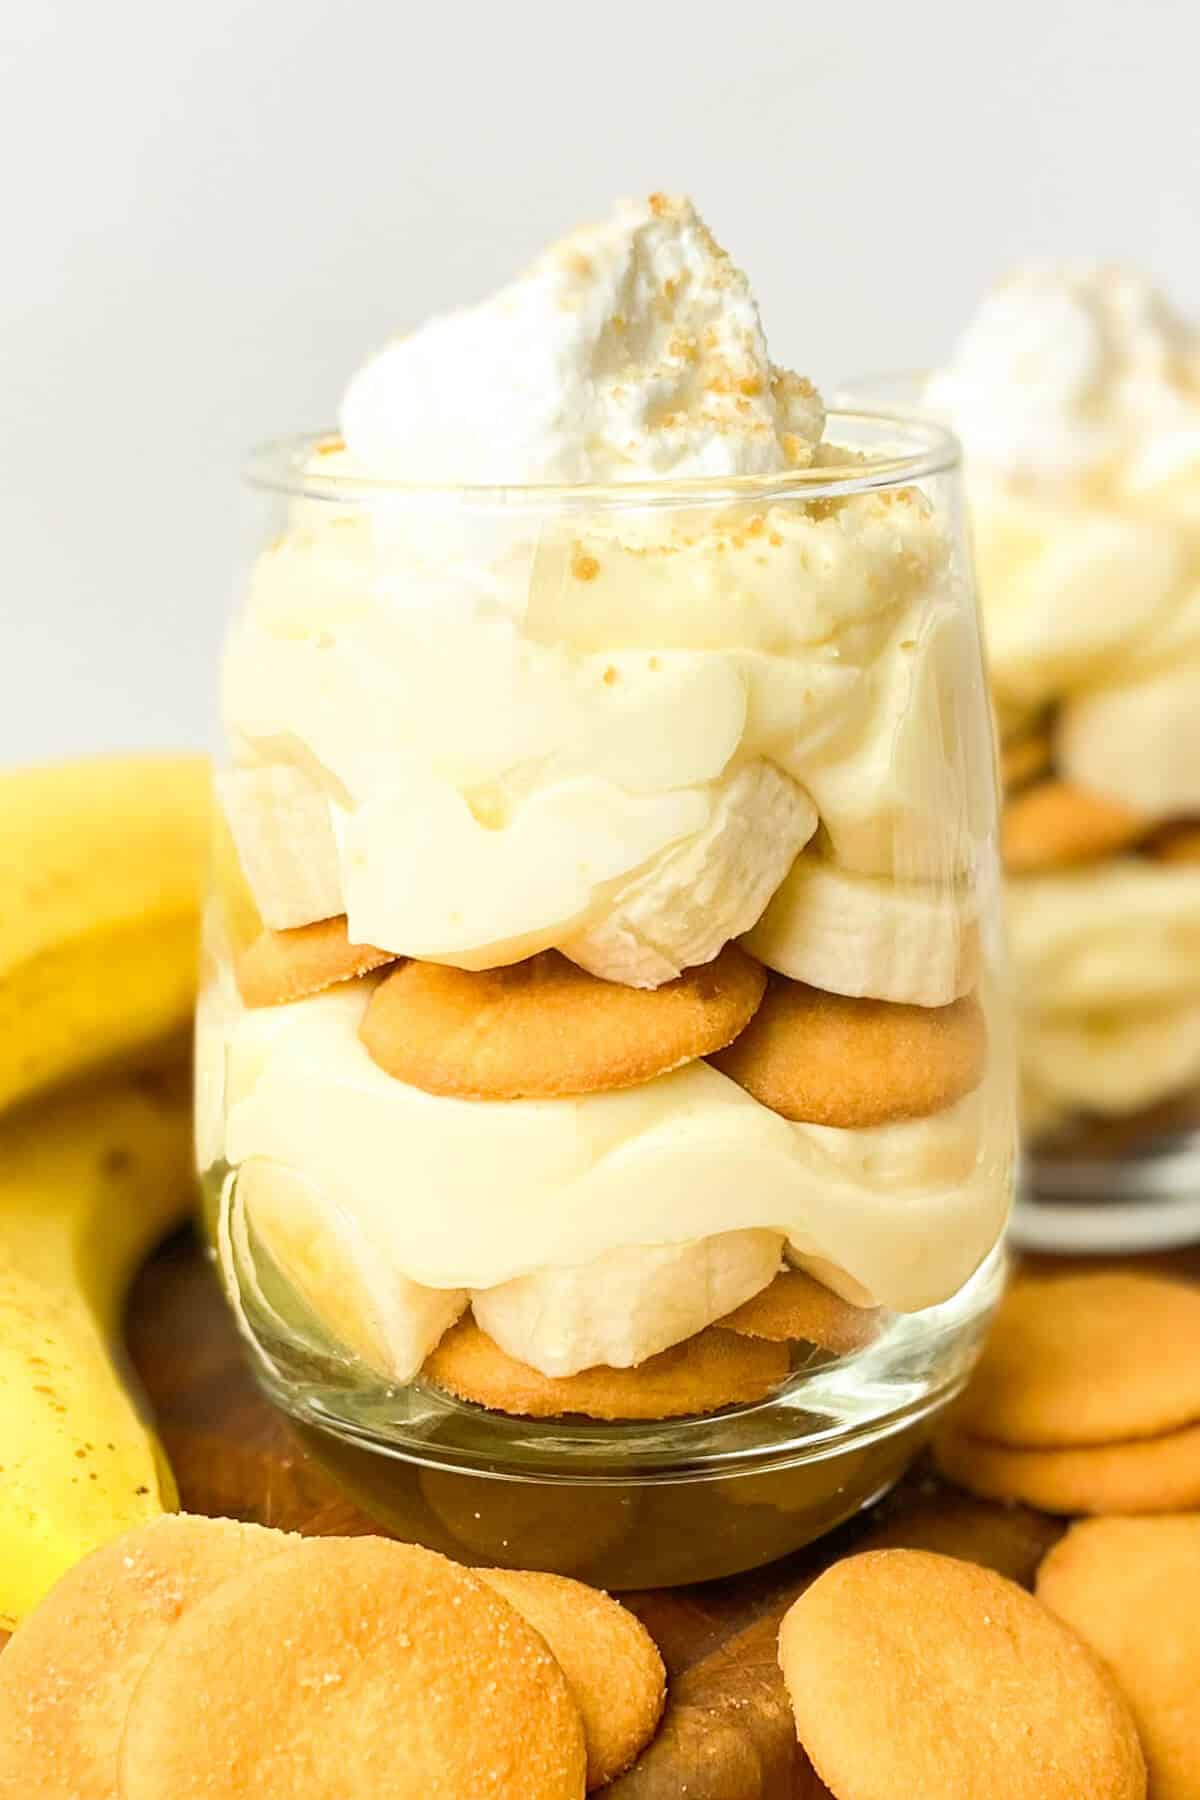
(601,1015)
(1076,392)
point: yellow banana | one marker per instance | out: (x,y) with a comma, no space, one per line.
(88,1182)
(101,870)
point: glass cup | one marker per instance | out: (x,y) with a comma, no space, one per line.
(605,1101)
(1104,933)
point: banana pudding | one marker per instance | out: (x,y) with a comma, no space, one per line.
(607,935)
(1076,392)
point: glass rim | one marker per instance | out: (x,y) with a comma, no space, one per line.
(282,466)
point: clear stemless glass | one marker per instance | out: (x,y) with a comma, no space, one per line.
(1105,948)
(605,1078)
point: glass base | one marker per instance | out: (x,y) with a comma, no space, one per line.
(1115,1186)
(620,1504)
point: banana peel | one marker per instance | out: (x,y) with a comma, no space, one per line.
(102,866)
(89,1183)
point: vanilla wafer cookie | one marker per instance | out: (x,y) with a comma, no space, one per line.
(545,1028)
(915,1674)
(1053,824)
(1131,1589)
(611,1662)
(353,1666)
(1092,1358)
(68,1675)
(796,1309)
(279,966)
(1140,1475)
(705,1373)
(826,1059)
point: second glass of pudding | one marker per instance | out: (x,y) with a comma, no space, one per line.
(1076,392)
(605,1070)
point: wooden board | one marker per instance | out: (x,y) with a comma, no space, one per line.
(727,1734)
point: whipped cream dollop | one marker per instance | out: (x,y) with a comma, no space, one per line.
(629,351)
(1068,372)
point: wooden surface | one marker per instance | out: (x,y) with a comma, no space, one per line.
(727,1734)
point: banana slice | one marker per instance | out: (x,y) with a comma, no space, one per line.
(1067,594)
(281,825)
(854,934)
(1123,935)
(517,885)
(1139,742)
(698,894)
(1112,1064)
(829,1275)
(954,1168)
(389,1322)
(909,791)
(625,1305)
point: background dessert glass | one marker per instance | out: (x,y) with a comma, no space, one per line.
(563,730)
(1104,931)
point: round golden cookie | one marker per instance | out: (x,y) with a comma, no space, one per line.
(545,1028)
(353,1666)
(67,1676)
(1024,758)
(916,1674)
(1176,843)
(826,1059)
(1144,1475)
(795,1309)
(1092,1358)
(711,1370)
(1054,824)
(279,966)
(1131,1589)
(611,1663)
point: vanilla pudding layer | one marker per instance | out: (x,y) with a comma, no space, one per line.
(484,727)
(473,777)
(1077,395)
(469,1197)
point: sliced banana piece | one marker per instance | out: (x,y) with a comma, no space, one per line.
(1066,595)
(698,894)
(1108,1064)
(908,790)
(388,1321)
(518,885)
(1139,742)
(627,1304)
(952,1170)
(1122,935)
(859,935)
(829,1275)
(280,822)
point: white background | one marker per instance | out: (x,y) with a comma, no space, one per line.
(210,212)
